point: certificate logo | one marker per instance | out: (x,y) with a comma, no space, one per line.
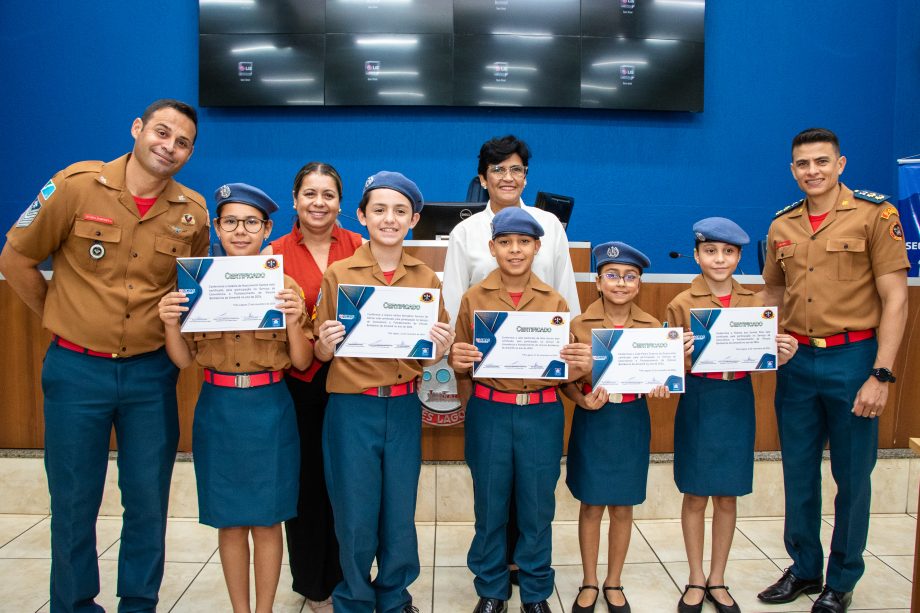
(673,335)
(427,297)
(557,320)
(271,264)
(768,314)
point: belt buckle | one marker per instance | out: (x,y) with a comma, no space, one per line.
(817,342)
(522,399)
(242,381)
(728,376)
(615,398)
(384,391)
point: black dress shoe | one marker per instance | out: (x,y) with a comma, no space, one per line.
(722,608)
(832,601)
(788,588)
(616,608)
(490,605)
(683,607)
(536,607)
(577,608)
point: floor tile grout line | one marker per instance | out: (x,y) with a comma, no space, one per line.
(657,557)
(24,531)
(434,545)
(879,558)
(195,578)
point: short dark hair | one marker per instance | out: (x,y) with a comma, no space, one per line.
(221,205)
(320,168)
(816,135)
(171,103)
(499,149)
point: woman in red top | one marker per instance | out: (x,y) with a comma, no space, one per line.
(315,242)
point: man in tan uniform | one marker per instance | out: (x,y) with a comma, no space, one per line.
(837,268)
(114,231)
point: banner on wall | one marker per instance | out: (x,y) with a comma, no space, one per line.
(909,209)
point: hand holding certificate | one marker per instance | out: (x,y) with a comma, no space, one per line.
(520,344)
(637,360)
(231,293)
(735,339)
(386,321)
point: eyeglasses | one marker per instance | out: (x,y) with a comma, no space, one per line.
(499,172)
(251,224)
(629,278)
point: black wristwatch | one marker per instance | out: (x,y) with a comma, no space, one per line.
(884,375)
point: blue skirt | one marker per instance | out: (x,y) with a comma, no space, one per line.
(714,437)
(609,454)
(247,455)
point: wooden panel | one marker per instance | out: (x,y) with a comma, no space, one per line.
(22,425)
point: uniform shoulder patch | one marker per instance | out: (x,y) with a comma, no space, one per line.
(873,197)
(28,216)
(790,207)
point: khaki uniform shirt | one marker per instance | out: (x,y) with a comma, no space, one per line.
(109,303)
(247,350)
(595,317)
(355,375)
(829,275)
(699,296)
(490,295)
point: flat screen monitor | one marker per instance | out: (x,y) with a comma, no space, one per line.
(560,206)
(388,69)
(260,69)
(624,73)
(516,17)
(261,16)
(502,70)
(439,218)
(678,19)
(389,16)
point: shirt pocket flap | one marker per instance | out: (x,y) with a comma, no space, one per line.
(786,251)
(172,246)
(275,334)
(206,336)
(846,244)
(96,231)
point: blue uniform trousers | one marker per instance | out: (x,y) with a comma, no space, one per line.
(372,450)
(85,397)
(507,444)
(814,397)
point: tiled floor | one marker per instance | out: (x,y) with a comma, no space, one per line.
(655,567)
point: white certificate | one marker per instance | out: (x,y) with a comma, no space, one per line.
(520,344)
(387,322)
(636,360)
(231,293)
(735,339)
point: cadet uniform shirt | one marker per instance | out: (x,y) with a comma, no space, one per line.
(699,296)
(829,274)
(249,350)
(490,295)
(355,375)
(595,317)
(110,266)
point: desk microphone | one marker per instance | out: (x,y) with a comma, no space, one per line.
(675,254)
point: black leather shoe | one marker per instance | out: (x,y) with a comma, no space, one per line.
(577,608)
(683,607)
(788,588)
(614,608)
(832,601)
(410,609)
(536,607)
(490,605)
(722,608)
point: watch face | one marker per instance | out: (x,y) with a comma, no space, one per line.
(883,374)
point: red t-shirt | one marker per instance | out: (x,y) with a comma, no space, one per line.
(726,300)
(515,297)
(816,221)
(143,204)
(300,265)
(388,275)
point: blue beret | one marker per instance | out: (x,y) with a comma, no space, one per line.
(245,194)
(721,230)
(616,252)
(515,220)
(396,181)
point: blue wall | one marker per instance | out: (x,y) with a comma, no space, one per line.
(76,74)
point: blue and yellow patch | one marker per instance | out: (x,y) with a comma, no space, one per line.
(873,197)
